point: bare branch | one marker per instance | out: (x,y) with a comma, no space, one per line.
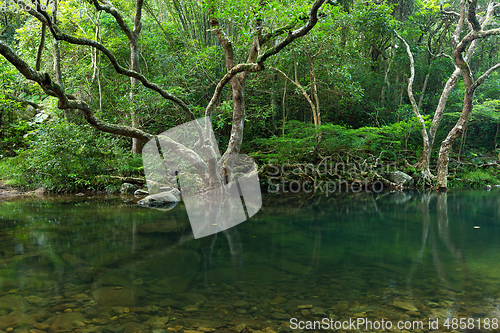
(226,43)
(53,89)
(54,29)
(110,9)
(458,29)
(471,16)
(247,67)
(38,61)
(410,89)
(448,12)
(311,22)
(21,100)
(484,76)
(280,31)
(137,17)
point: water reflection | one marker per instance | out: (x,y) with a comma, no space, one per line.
(85,265)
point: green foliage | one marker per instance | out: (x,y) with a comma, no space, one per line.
(300,139)
(66,157)
(13,136)
(482,131)
(480,178)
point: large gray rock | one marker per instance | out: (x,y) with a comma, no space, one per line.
(399,179)
(128,188)
(163,200)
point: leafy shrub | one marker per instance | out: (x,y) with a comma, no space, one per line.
(67,157)
(480,178)
(299,141)
(482,131)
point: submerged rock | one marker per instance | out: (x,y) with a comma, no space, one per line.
(15,318)
(176,284)
(405,305)
(191,298)
(68,322)
(110,296)
(132,327)
(12,303)
(162,200)
(157,321)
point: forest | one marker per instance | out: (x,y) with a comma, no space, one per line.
(411,84)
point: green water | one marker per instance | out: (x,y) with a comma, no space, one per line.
(103,265)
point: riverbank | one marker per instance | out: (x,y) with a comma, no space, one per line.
(7,191)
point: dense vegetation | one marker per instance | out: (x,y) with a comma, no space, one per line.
(338,92)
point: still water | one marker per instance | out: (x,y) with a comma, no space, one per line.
(104,265)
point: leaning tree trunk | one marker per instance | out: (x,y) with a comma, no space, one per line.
(133,37)
(57,62)
(134,84)
(444,151)
(425,157)
(470,84)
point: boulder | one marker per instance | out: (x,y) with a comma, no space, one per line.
(110,296)
(128,188)
(68,322)
(15,318)
(12,303)
(157,321)
(398,179)
(405,305)
(162,200)
(132,327)
(172,285)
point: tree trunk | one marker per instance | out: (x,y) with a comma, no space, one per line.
(444,151)
(57,62)
(470,84)
(40,48)
(134,84)
(425,157)
(134,65)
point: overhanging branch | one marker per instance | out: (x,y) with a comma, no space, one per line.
(311,22)
(64,102)
(57,34)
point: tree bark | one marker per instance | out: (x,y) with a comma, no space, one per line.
(424,160)
(39,52)
(57,62)
(236,75)
(134,66)
(425,137)
(470,85)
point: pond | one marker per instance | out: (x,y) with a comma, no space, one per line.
(420,260)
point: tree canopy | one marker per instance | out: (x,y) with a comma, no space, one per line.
(285,80)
